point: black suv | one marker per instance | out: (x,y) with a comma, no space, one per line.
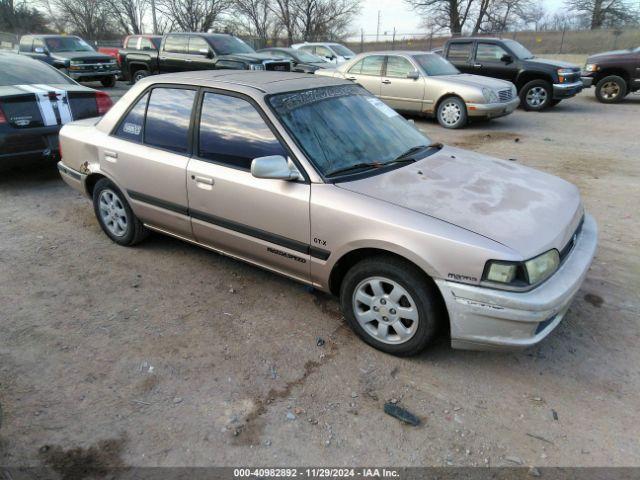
(73,56)
(541,83)
(181,52)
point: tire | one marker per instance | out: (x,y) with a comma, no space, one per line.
(415,294)
(536,95)
(611,89)
(452,113)
(109,203)
(108,82)
(139,75)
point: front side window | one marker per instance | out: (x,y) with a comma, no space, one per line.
(198,46)
(488,52)
(342,50)
(345,126)
(146,44)
(168,118)
(233,133)
(131,126)
(399,67)
(176,44)
(228,45)
(459,51)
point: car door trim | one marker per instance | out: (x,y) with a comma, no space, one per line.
(279,240)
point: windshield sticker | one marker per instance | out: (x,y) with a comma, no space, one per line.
(132,128)
(383,107)
(296,100)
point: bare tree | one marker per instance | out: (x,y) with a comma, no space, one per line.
(19,17)
(284,11)
(91,19)
(318,19)
(129,14)
(193,15)
(255,17)
(603,13)
(451,14)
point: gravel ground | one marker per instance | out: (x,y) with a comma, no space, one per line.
(166,354)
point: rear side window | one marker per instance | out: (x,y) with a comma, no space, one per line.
(168,118)
(459,51)
(233,133)
(176,44)
(131,127)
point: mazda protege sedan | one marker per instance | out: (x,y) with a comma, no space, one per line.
(317,179)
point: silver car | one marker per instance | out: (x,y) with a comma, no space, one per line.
(425,83)
(316,179)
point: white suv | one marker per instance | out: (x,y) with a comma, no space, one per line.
(331,52)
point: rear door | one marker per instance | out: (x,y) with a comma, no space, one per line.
(397,90)
(460,53)
(147,155)
(488,61)
(368,73)
(173,54)
(263,221)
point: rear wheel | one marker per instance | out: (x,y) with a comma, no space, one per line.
(139,75)
(611,89)
(390,305)
(108,82)
(452,113)
(536,95)
(115,215)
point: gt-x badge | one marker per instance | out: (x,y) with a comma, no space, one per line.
(462,278)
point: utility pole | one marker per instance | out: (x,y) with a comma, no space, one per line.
(153,15)
(378,28)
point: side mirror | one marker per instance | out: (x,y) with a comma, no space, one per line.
(210,54)
(275,167)
(506,58)
(415,75)
(39,50)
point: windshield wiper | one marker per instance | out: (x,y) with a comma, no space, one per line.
(408,156)
(356,166)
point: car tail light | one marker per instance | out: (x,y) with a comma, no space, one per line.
(103,102)
(119,58)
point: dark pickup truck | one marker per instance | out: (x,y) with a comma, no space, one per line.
(181,52)
(541,83)
(72,56)
(614,74)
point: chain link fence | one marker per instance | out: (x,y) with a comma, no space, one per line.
(8,41)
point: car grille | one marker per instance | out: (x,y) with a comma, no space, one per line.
(572,241)
(278,66)
(505,95)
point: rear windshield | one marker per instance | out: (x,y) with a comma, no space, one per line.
(67,44)
(26,71)
(434,65)
(342,50)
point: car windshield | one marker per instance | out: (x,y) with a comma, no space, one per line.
(21,71)
(343,127)
(434,65)
(308,57)
(342,50)
(67,44)
(229,45)
(519,51)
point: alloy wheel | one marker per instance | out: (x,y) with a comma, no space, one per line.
(112,213)
(536,96)
(610,90)
(385,310)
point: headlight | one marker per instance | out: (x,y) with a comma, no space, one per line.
(489,95)
(523,274)
(256,66)
(562,74)
(591,67)
(76,62)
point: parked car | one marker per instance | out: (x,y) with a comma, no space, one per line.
(301,61)
(425,83)
(35,101)
(132,43)
(615,74)
(541,83)
(73,56)
(331,52)
(199,51)
(317,179)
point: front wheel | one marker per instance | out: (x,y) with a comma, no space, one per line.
(115,215)
(139,75)
(390,305)
(611,89)
(452,113)
(536,95)
(108,82)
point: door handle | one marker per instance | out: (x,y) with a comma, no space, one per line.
(353,79)
(477,65)
(386,82)
(200,179)
(110,156)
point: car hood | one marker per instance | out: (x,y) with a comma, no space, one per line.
(552,63)
(81,56)
(470,80)
(614,54)
(524,209)
(255,57)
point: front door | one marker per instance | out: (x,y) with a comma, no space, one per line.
(147,157)
(262,221)
(397,90)
(489,62)
(368,73)
(173,54)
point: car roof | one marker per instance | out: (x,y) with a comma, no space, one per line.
(265,82)
(467,39)
(49,35)
(396,52)
(202,34)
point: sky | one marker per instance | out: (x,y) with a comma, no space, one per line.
(395,13)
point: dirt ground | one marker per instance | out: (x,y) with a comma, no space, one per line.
(166,354)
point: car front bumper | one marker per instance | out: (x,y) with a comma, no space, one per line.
(566,90)
(586,80)
(492,110)
(78,75)
(490,319)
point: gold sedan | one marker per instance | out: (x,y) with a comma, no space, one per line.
(427,84)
